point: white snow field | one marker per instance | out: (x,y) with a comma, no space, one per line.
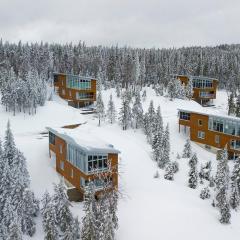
(150,208)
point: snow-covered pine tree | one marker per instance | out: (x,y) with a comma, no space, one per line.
(234,200)
(49,221)
(189,89)
(205,193)
(89,221)
(156,129)
(237,107)
(222,178)
(29,210)
(235,177)
(125,114)
(225,214)
(180,91)
(187,151)
(15,232)
(111,111)
(165,158)
(193,174)
(9,147)
(62,207)
(100,108)
(137,112)
(169,171)
(231,105)
(171,89)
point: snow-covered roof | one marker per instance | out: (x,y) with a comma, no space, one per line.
(194,77)
(207,112)
(84,139)
(69,74)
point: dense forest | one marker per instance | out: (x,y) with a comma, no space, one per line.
(123,65)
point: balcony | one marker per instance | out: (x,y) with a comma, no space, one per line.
(206,95)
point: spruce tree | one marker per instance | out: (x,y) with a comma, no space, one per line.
(137,112)
(15,232)
(193,174)
(157,139)
(169,171)
(225,214)
(234,196)
(237,108)
(189,89)
(111,111)
(100,108)
(187,151)
(62,207)
(89,221)
(29,210)
(50,227)
(165,158)
(231,105)
(125,114)
(205,193)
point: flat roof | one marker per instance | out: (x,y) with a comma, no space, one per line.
(190,76)
(84,139)
(211,113)
(75,75)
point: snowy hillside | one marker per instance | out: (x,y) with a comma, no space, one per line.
(150,208)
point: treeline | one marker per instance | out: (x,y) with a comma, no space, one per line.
(122,65)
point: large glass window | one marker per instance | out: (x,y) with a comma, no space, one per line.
(74,81)
(184,116)
(80,95)
(97,163)
(201,134)
(51,138)
(76,157)
(202,83)
(228,126)
(235,144)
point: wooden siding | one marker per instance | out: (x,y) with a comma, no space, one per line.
(210,136)
(77,174)
(70,94)
(196,91)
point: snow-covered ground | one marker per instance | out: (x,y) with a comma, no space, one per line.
(150,208)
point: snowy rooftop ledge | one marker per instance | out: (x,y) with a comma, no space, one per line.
(83,138)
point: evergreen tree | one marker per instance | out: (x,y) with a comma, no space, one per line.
(237,108)
(193,174)
(100,108)
(50,227)
(169,171)
(235,196)
(171,89)
(89,221)
(225,214)
(222,178)
(62,207)
(231,105)
(189,89)
(187,151)
(111,111)
(137,112)
(15,232)
(157,140)
(205,193)
(125,114)
(9,148)
(29,210)
(165,149)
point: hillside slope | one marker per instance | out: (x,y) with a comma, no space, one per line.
(150,208)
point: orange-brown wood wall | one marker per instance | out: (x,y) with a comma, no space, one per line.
(70,94)
(74,178)
(210,136)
